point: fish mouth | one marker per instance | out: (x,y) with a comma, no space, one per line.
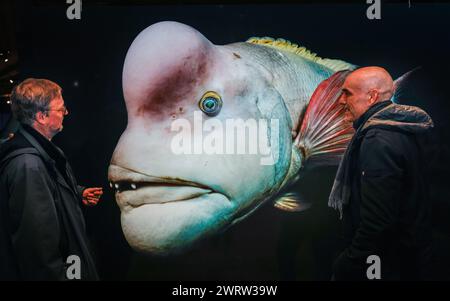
(133,189)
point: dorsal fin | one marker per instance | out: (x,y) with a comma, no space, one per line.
(324,132)
(281,44)
(399,85)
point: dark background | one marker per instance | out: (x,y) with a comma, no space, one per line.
(86,57)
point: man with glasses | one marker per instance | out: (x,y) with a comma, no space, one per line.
(42,229)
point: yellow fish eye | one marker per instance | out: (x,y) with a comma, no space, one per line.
(210,103)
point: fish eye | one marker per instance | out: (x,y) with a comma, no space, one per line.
(210,103)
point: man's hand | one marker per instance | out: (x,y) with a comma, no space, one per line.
(91,196)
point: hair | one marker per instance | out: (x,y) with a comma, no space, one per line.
(31,96)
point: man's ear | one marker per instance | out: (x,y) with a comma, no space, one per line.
(41,117)
(373,96)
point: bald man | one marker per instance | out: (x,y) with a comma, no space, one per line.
(379,188)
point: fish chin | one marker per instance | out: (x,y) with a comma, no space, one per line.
(164,228)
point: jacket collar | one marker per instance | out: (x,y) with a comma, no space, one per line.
(372,110)
(51,149)
(369,113)
(51,153)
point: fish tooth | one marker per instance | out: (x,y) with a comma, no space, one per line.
(133,186)
(116,186)
(110,184)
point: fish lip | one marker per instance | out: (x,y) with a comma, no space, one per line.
(131,205)
(120,174)
(124,174)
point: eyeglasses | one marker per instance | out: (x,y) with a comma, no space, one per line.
(63,109)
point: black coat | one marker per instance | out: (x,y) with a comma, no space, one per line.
(41,222)
(389,212)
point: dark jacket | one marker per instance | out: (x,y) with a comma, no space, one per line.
(389,212)
(41,223)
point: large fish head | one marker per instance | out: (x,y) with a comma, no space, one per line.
(174,82)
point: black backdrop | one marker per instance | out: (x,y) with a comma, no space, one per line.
(86,57)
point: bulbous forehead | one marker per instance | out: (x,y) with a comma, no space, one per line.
(167,60)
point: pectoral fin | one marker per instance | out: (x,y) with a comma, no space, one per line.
(291,201)
(324,132)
